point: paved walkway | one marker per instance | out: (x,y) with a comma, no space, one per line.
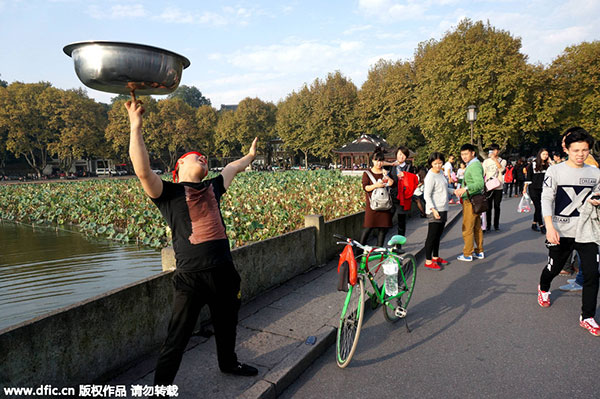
(272,334)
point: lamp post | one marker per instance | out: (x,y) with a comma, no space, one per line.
(471,117)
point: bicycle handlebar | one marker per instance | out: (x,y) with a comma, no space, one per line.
(355,243)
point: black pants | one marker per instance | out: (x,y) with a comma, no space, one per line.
(536,198)
(219,288)
(434,234)
(494,199)
(519,186)
(381,232)
(508,189)
(588,253)
(398,210)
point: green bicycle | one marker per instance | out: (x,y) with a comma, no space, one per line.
(369,263)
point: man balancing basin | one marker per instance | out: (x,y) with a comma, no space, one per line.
(205,272)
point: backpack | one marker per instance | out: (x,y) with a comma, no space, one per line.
(508,175)
(380,197)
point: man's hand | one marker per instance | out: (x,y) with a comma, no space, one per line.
(594,202)
(135,111)
(252,151)
(436,214)
(459,192)
(552,235)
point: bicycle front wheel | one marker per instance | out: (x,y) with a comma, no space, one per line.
(351,320)
(407,275)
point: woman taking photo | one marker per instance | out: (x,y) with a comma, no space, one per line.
(399,168)
(535,173)
(379,221)
(436,192)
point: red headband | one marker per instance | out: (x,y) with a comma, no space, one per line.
(175,170)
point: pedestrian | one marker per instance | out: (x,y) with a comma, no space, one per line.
(450,176)
(460,174)
(473,185)
(520,173)
(509,179)
(568,188)
(436,193)
(493,170)
(536,172)
(205,271)
(403,188)
(376,221)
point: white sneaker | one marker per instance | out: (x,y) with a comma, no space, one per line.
(479,255)
(571,287)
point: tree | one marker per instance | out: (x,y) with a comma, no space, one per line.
(190,95)
(26,112)
(3,83)
(293,123)
(474,64)
(226,143)
(171,129)
(206,122)
(117,130)
(80,122)
(254,118)
(333,107)
(575,79)
(386,104)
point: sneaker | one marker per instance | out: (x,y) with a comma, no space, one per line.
(543,298)
(543,230)
(440,261)
(241,369)
(590,325)
(479,255)
(465,258)
(534,227)
(571,287)
(571,280)
(433,266)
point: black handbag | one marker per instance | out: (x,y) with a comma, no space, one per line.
(479,203)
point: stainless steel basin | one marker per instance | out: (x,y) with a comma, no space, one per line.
(121,68)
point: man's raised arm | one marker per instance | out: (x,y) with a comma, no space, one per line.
(239,165)
(151,183)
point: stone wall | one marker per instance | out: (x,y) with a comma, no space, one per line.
(92,340)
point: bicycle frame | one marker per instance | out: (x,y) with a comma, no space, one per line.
(379,294)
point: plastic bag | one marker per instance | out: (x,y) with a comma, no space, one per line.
(524,204)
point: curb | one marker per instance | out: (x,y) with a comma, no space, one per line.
(294,364)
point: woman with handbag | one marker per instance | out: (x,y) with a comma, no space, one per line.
(493,169)
(536,173)
(379,220)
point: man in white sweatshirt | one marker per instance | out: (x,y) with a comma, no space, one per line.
(566,188)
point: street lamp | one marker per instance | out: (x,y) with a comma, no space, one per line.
(471,117)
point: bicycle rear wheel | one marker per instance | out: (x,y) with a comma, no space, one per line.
(407,275)
(351,320)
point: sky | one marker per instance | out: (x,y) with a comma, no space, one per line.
(267,49)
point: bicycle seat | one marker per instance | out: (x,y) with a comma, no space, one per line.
(397,240)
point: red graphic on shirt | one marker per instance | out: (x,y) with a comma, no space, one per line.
(204,214)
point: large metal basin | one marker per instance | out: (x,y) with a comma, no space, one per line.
(120,68)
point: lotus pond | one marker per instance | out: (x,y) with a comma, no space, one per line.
(258,205)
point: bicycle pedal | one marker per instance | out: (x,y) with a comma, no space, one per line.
(400,312)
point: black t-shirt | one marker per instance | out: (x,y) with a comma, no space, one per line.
(192,212)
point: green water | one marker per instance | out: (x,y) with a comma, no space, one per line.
(44,269)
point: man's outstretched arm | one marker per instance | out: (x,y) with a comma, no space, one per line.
(233,168)
(151,183)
